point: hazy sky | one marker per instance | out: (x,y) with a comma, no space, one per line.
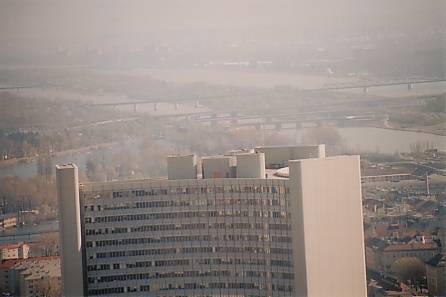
(135,21)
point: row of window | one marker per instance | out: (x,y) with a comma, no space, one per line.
(191,226)
(192,250)
(267,202)
(193,286)
(209,202)
(156,275)
(199,261)
(188,214)
(201,190)
(182,238)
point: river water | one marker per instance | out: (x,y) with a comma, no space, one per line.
(368,139)
(360,139)
(28,233)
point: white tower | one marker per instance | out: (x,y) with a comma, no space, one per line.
(70,230)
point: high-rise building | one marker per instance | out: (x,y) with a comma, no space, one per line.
(236,229)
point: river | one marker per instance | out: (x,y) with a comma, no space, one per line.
(361,139)
(369,139)
(28,233)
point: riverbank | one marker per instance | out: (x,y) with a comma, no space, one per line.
(15,161)
(386,125)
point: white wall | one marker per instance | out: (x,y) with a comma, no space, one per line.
(70,230)
(328,239)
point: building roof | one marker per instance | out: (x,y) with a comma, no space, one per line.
(69,165)
(437,261)
(8,264)
(414,246)
(375,243)
(12,245)
(39,268)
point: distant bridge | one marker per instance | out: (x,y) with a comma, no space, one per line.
(18,87)
(365,86)
(369,84)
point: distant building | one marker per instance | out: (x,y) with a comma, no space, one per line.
(31,277)
(436,275)
(436,266)
(8,220)
(380,256)
(36,277)
(14,251)
(388,178)
(231,232)
(393,252)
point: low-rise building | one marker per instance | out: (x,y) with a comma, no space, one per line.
(422,251)
(436,275)
(35,277)
(8,220)
(14,251)
(6,283)
(436,266)
(31,277)
(380,255)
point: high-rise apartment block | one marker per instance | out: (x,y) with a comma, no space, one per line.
(234,229)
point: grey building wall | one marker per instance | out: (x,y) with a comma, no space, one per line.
(250,165)
(182,167)
(218,166)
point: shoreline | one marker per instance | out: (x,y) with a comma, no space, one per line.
(416,130)
(15,161)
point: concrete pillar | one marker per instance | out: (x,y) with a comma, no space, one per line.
(155,106)
(70,231)
(325,198)
(365,90)
(409,86)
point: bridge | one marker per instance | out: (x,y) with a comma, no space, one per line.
(287,121)
(18,87)
(365,86)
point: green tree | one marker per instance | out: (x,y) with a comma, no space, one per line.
(409,269)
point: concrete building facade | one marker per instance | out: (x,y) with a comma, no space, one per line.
(223,234)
